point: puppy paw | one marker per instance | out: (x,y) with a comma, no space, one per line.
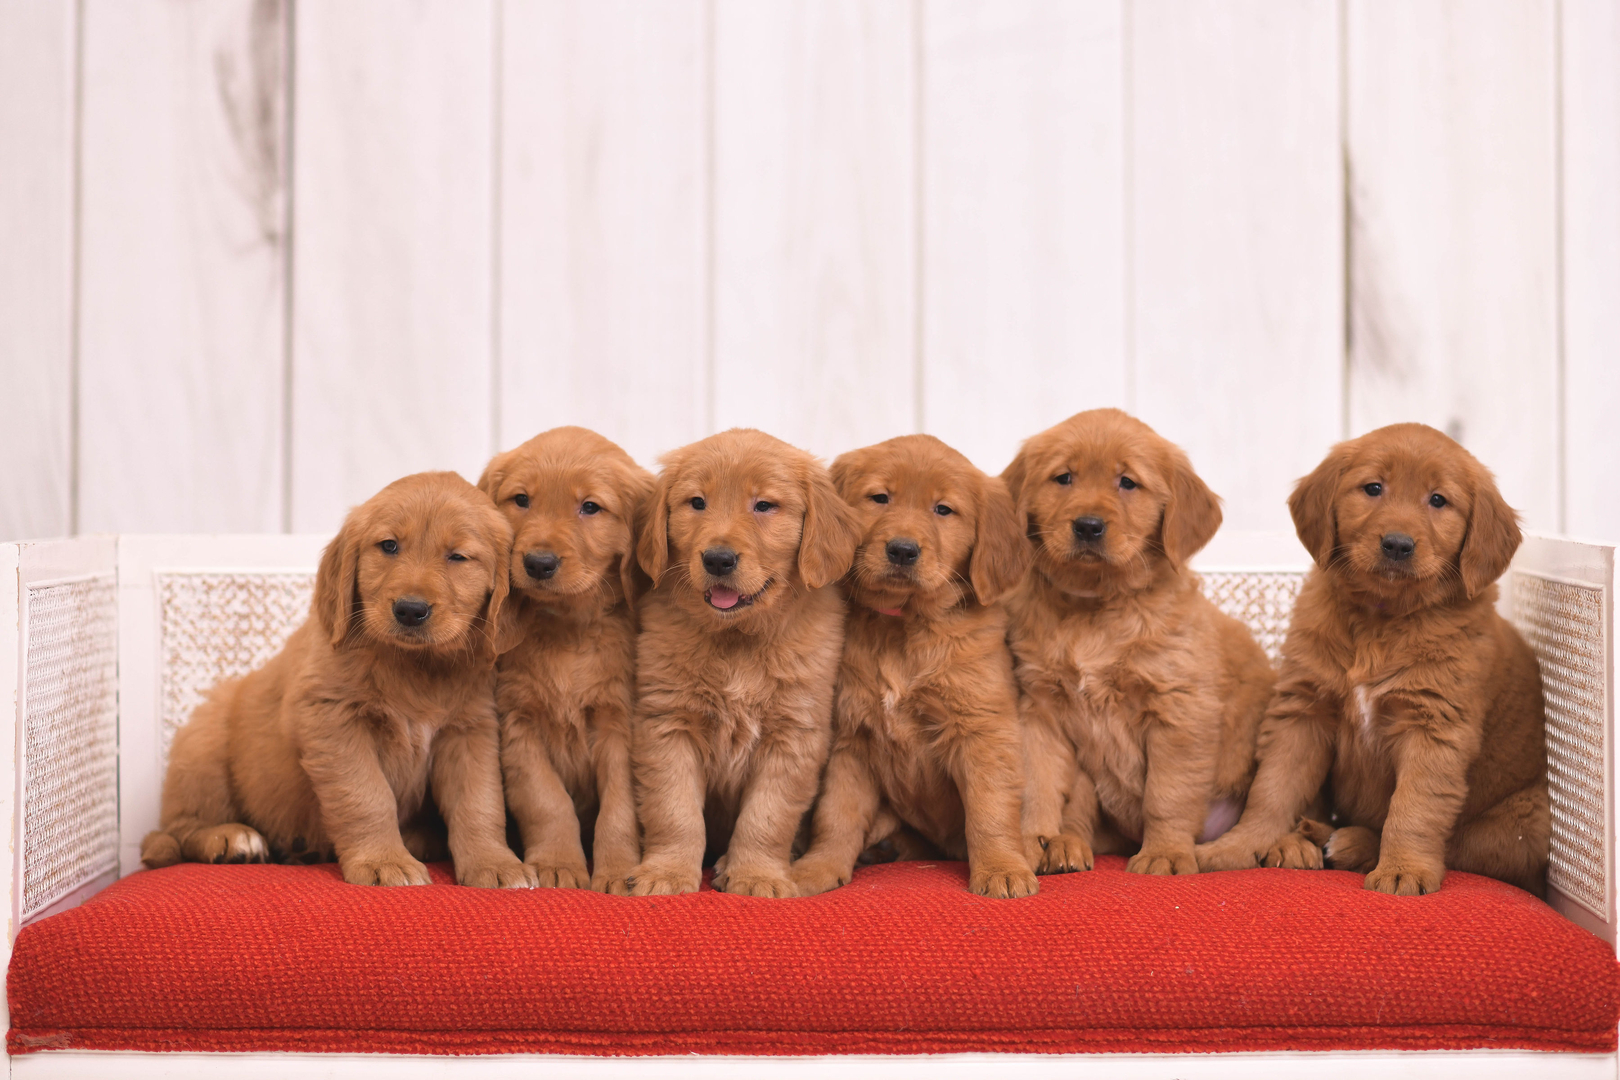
(1352,848)
(231,843)
(396,868)
(552,874)
(498,870)
(1405,879)
(812,877)
(1228,853)
(159,849)
(1163,860)
(1063,854)
(615,881)
(1002,882)
(647,880)
(760,883)
(1296,851)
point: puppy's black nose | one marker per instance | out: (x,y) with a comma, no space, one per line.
(903,551)
(1398,547)
(719,561)
(541,564)
(1089,528)
(412,612)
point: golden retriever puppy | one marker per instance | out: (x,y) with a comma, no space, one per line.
(1400,685)
(384,695)
(565,692)
(1140,700)
(925,720)
(739,647)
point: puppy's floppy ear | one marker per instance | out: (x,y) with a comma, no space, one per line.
(501,628)
(1001,553)
(1311,505)
(337,582)
(1192,514)
(490,482)
(636,487)
(652,525)
(827,544)
(1493,535)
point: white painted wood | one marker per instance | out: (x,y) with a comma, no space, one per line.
(38,70)
(1453,247)
(1591,248)
(1351,1065)
(140,558)
(392,210)
(815,219)
(10,704)
(1023,220)
(182,240)
(1235,226)
(603,221)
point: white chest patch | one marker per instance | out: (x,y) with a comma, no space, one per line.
(1366,703)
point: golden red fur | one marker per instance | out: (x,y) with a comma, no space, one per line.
(925,723)
(566,691)
(735,664)
(1401,685)
(385,692)
(1140,700)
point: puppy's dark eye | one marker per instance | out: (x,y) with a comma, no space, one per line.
(1127,484)
(1374,489)
(879,498)
(456,556)
(390,547)
(698,503)
(588,508)
(763,507)
(1437,500)
(522,501)
(942,510)
(1063,478)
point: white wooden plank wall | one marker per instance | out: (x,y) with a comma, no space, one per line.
(264,256)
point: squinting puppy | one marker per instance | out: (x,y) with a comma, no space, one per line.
(565,692)
(739,647)
(1140,699)
(925,722)
(386,691)
(1400,683)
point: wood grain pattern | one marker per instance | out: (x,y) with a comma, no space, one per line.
(815,220)
(1591,231)
(1023,225)
(392,207)
(181,266)
(38,65)
(1454,303)
(1236,225)
(603,221)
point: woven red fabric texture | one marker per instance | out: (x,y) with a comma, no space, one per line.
(903,960)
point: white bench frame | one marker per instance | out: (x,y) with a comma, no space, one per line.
(136,560)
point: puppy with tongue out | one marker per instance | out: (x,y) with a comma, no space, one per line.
(739,647)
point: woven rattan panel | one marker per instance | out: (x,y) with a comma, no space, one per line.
(216,626)
(70,738)
(1262,601)
(1564,624)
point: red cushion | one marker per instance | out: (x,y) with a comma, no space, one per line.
(902,960)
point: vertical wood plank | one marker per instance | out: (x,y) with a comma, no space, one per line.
(815,219)
(38,66)
(1236,224)
(1023,263)
(1453,219)
(603,221)
(1591,243)
(392,207)
(182,230)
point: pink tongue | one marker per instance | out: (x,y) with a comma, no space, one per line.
(722,597)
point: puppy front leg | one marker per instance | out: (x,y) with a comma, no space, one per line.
(1049,768)
(1431,785)
(541,806)
(358,807)
(616,847)
(844,816)
(670,786)
(1175,797)
(467,787)
(992,804)
(773,803)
